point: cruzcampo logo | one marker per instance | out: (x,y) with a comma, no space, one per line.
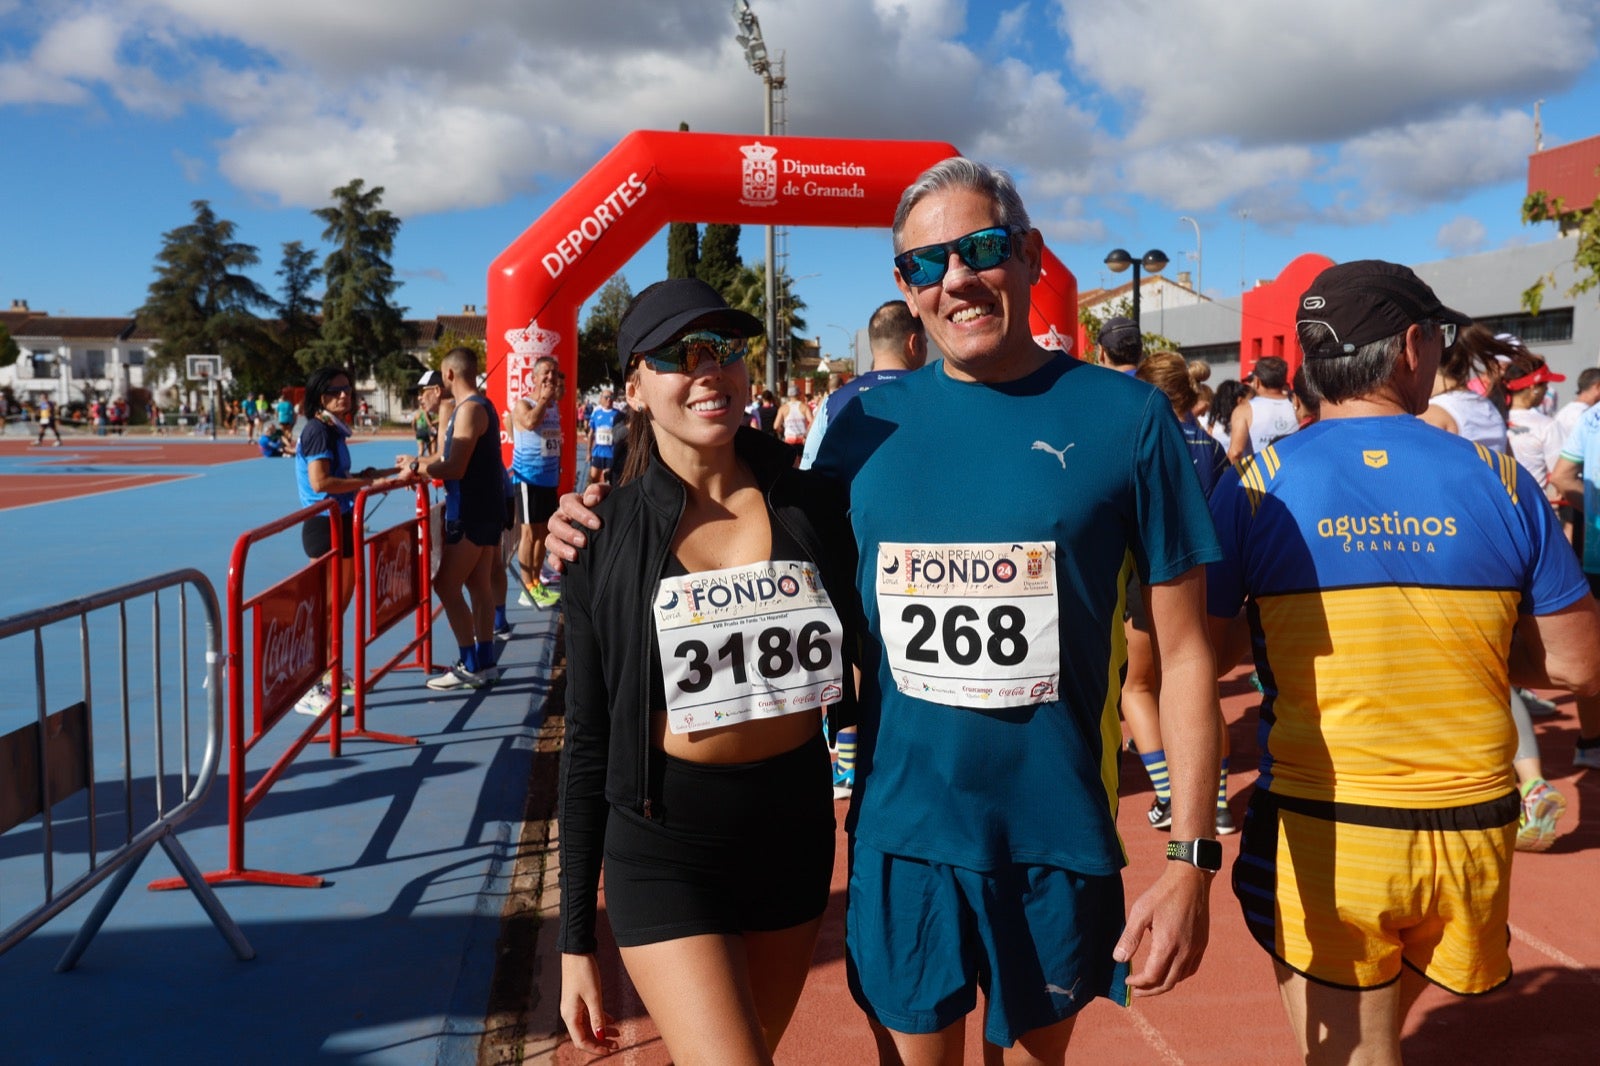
(1376,460)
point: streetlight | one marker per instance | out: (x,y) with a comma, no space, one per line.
(850,339)
(1155,261)
(755,54)
(1199,277)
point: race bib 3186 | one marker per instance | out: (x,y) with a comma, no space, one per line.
(746,642)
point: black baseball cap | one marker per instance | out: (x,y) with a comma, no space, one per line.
(429,379)
(1120,336)
(1367,300)
(668,308)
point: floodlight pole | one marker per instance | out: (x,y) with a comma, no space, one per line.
(755,54)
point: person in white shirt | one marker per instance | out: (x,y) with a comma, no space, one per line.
(1534,437)
(1269,415)
(1588,395)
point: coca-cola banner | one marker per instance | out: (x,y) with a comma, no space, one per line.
(291,642)
(652,178)
(394,587)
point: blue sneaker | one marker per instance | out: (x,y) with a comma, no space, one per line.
(844,782)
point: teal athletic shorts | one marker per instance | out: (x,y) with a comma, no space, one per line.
(921,938)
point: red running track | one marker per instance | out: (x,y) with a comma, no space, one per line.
(1229,1012)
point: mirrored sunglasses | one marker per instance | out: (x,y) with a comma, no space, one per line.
(979,250)
(686,354)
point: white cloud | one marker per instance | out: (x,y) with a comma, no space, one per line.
(1462,235)
(1409,166)
(1261,71)
(1205,175)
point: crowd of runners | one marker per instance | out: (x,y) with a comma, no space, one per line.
(966,614)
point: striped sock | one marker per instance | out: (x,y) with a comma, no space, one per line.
(1222,789)
(1155,764)
(846,748)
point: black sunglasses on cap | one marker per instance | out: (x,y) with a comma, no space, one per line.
(980,250)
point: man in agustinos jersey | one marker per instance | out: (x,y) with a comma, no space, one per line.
(1376,854)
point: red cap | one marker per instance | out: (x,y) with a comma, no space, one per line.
(1538,377)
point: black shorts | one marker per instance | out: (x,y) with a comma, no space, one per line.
(483,534)
(535,503)
(734,849)
(1594,585)
(316,535)
(600,462)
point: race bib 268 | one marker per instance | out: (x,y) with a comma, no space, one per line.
(971,625)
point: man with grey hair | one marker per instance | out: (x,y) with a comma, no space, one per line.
(1376,853)
(993,643)
(984,844)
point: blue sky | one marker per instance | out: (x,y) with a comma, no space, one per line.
(1397,129)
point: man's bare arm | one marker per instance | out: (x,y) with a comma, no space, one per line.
(1559,650)
(1175,911)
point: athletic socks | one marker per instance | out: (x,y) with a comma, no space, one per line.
(1222,789)
(500,617)
(846,748)
(485,655)
(469,657)
(1155,764)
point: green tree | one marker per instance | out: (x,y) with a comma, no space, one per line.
(273,363)
(1539,207)
(201,302)
(719,256)
(597,340)
(748,292)
(683,242)
(451,339)
(361,327)
(683,250)
(9,352)
(1093,319)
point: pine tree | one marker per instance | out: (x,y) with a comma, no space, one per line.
(361,328)
(719,256)
(683,242)
(200,301)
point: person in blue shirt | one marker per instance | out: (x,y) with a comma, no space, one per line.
(603,427)
(899,345)
(535,472)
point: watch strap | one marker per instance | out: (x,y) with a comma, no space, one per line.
(1203,854)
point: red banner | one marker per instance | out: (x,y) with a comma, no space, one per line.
(291,643)
(394,587)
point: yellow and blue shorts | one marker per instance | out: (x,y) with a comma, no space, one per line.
(1345,893)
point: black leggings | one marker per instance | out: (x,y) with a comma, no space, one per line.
(745,847)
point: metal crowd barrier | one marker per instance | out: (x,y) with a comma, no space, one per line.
(50,761)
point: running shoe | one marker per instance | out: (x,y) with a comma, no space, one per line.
(503,632)
(844,782)
(525,599)
(1225,824)
(312,703)
(1538,706)
(1587,758)
(1160,814)
(1541,807)
(545,596)
(458,677)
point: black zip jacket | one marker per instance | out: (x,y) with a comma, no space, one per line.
(610,641)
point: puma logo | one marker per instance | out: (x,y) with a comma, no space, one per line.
(1059,453)
(1057,990)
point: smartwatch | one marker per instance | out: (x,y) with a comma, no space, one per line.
(1205,854)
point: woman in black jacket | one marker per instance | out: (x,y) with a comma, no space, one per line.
(705,632)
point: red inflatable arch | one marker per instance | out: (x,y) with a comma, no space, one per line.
(651,179)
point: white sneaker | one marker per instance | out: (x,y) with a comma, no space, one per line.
(457,677)
(313,702)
